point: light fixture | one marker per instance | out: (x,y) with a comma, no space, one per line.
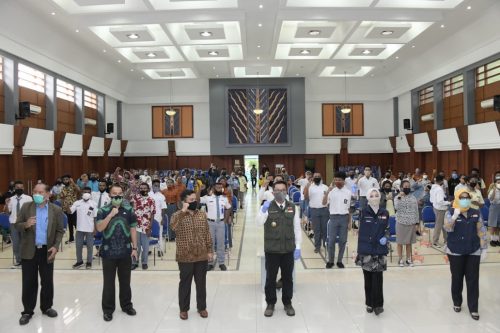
(442,25)
(142,77)
(53,13)
(104,51)
(169,111)
(259,25)
(119,60)
(151,54)
(131,69)
(259,46)
(469,7)
(206,34)
(305,52)
(314,32)
(397,57)
(213,53)
(261,6)
(133,36)
(387,32)
(413,46)
(77,30)
(345,108)
(257,110)
(258,58)
(366,52)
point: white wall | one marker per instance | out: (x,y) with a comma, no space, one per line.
(404,108)
(111,115)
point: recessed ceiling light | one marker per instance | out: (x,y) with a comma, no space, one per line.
(372,75)
(131,69)
(297,74)
(259,46)
(366,52)
(213,53)
(119,60)
(261,6)
(151,54)
(53,13)
(442,25)
(217,75)
(206,34)
(314,32)
(258,58)
(259,25)
(397,57)
(142,77)
(469,7)
(413,46)
(305,52)
(104,51)
(213,67)
(77,31)
(133,36)
(387,32)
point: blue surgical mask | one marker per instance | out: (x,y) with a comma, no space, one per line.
(454,175)
(38,198)
(464,203)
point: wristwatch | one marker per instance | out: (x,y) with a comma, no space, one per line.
(134,249)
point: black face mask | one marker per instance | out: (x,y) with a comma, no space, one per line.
(352,176)
(406,191)
(102,190)
(271,183)
(58,183)
(144,193)
(217,193)
(387,190)
(193,205)
(317,180)
(473,185)
(19,191)
(66,183)
(93,179)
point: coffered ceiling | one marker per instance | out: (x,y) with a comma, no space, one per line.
(183,39)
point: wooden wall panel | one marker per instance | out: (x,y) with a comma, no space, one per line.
(36,98)
(184,115)
(453,111)
(382,160)
(72,165)
(402,163)
(65,116)
(490,164)
(449,160)
(482,93)
(5,172)
(327,119)
(426,125)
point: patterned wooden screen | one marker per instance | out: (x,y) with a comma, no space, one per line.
(336,123)
(178,125)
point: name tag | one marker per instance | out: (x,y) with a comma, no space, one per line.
(290,210)
(383,217)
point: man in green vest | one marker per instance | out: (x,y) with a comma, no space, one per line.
(282,238)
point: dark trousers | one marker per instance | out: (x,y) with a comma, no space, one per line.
(187,271)
(171,209)
(374,289)
(254,182)
(109,269)
(71,225)
(274,262)
(465,266)
(319,220)
(30,270)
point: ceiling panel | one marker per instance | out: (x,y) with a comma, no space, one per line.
(351,51)
(192,4)
(284,51)
(151,54)
(329,3)
(167,74)
(215,32)
(388,32)
(314,31)
(429,4)
(100,6)
(148,35)
(350,71)
(220,52)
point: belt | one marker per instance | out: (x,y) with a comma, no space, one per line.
(171,203)
(215,220)
(40,246)
(340,214)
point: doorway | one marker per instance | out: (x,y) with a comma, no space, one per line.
(249,161)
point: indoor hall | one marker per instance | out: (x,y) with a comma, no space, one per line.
(164,97)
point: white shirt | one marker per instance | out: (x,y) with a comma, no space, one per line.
(437,198)
(262,218)
(396,185)
(211,203)
(364,184)
(12,205)
(160,204)
(266,195)
(86,211)
(146,179)
(351,186)
(316,194)
(302,183)
(104,200)
(339,201)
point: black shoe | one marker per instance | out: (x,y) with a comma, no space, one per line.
(378,310)
(290,311)
(340,265)
(418,233)
(134,266)
(160,254)
(107,317)
(210,268)
(269,310)
(50,313)
(279,284)
(457,308)
(493,243)
(144,266)
(311,235)
(329,265)
(88,265)
(369,309)
(25,318)
(149,253)
(223,267)
(130,311)
(497,243)
(69,241)
(78,265)
(316,250)
(474,315)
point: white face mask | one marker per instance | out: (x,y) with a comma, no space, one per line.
(86,196)
(498,186)
(375,201)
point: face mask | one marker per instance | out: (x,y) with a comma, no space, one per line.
(406,191)
(116,201)
(424,176)
(271,183)
(19,191)
(473,185)
(464,203)
(86,196)
(498,186)
(223,173)
(93,179)
(156,189)
(38,198)
(317,180)
(387,190)
(279,196)
(193,205)
(217,193)
(144,193)
(374,201)
(58,182)
(387,176)
(145,173)
(352,176)
(66,183)
(454,176)
(102,190)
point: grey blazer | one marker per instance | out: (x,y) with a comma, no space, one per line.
(55,229)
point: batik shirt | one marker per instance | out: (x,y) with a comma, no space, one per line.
(116,241)
(145,210)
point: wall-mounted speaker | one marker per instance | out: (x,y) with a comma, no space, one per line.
(407,124)
(110,128)
(24,110)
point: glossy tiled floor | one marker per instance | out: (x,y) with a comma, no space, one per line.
(416,299)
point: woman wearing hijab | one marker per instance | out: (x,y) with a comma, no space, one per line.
(466,247)
(372,250)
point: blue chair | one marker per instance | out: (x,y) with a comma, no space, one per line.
(392,233)
(485,213)
(296,197)
(4,224)
(154,239)
(292,178)
(429,219)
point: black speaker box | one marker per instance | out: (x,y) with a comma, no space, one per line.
(406,124)
(110,128)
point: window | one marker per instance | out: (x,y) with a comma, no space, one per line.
(31,78)
(488,73)
(90,99)
(65,90)
(1,68)
(426,95)
(453,86)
